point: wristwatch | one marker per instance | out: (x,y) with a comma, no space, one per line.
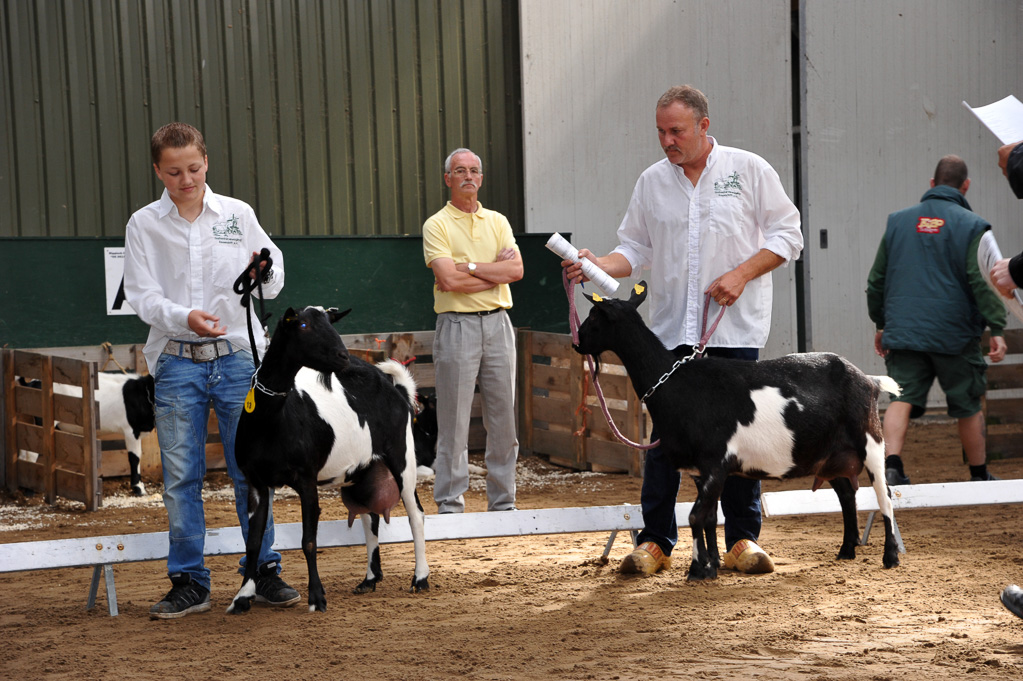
(472,268)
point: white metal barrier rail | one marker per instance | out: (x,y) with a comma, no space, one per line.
(102,553)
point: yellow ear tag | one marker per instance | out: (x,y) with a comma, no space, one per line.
(597,299)
(250,401)
(638,289)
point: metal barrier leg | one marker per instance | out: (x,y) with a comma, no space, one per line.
(108,579)
(608,545)
(866,530)
(895,531)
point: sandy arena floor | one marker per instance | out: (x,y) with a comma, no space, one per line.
(544,607)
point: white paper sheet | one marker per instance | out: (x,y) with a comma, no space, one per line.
(1004,118)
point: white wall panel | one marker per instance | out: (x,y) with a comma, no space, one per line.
(884,81)
(592,71)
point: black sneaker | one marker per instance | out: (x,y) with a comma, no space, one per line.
(981,478)
(184,598)
(894,477)
(273,590)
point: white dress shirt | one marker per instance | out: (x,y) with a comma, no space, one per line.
(689,236)
(172,266)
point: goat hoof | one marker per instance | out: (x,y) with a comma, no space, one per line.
(698,572)
(239,606)
(137,492)
(367,586)
(420,585)
(891,562)
(846,554)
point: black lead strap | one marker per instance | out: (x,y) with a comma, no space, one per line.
(244,285)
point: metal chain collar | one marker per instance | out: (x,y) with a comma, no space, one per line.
(697,351)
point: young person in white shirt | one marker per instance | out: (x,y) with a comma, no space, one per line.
(705,219)
(182,255)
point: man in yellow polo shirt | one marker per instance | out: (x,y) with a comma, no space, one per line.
(474,257)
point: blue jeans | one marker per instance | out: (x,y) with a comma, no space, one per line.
(184,392)
(740,499)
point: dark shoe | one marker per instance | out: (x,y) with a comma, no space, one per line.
(273,590)
(646,559)
(980,478)
(184,598)
(1012,599)
(894,477)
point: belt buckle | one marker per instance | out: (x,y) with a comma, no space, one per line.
(204,352)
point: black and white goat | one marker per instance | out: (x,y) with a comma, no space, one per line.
(801,415)
(126,407)
(316,417)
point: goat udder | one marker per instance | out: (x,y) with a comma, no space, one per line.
(376,492)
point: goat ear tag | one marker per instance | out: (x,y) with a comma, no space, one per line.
(250,401)
(638,289)
(597,299)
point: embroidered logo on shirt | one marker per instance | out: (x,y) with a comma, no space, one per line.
(228,231)
(929,225)
(729,186)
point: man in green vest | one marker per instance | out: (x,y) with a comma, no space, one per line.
(930,303)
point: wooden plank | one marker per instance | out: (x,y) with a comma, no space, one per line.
(1004,445)
(28,436)
(554,378)
(524,345)
(72,485)
(8,461)
(27,401)
(67,410)
(1004,377)
(69,448)
(611,454)
(553,345)
(29,475)
(47,456)
(1005,411)
(550,410)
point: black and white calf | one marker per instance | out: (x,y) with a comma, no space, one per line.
(126,407)
(319,417)
(797,416)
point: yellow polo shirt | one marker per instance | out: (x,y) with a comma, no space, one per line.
(468,237)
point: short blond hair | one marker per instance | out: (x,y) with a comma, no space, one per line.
(687,96)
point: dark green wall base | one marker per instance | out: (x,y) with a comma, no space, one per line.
(52,291)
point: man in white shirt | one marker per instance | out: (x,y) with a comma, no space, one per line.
(182,255)
(706,219)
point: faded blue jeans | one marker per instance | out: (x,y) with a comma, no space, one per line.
(185,390)
(740,499)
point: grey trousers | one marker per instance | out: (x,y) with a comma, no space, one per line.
(467,348)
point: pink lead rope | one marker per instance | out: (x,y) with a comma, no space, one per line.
(573,323)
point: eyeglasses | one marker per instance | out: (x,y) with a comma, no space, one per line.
(462,172)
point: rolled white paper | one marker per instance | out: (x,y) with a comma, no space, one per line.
(607,284)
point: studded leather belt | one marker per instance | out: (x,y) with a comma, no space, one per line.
(205,351)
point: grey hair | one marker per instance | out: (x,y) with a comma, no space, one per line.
(447,161)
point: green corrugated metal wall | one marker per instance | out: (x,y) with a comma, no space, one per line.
(329,117)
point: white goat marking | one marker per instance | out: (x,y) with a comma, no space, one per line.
(247,591)
(352,439)
(766,444)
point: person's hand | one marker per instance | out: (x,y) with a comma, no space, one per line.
(878,348)
(1003,156)
(204,324)
(1001,278)
(998,349)
(727,288)
(262,265)
(574,269)
(505,254)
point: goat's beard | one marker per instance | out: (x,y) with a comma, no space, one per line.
(596,365)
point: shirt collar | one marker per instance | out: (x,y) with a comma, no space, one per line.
(209,200)
(458,214)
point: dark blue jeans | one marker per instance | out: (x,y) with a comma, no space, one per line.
(740,499)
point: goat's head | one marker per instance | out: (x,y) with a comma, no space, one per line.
(608,319)
(313,339)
